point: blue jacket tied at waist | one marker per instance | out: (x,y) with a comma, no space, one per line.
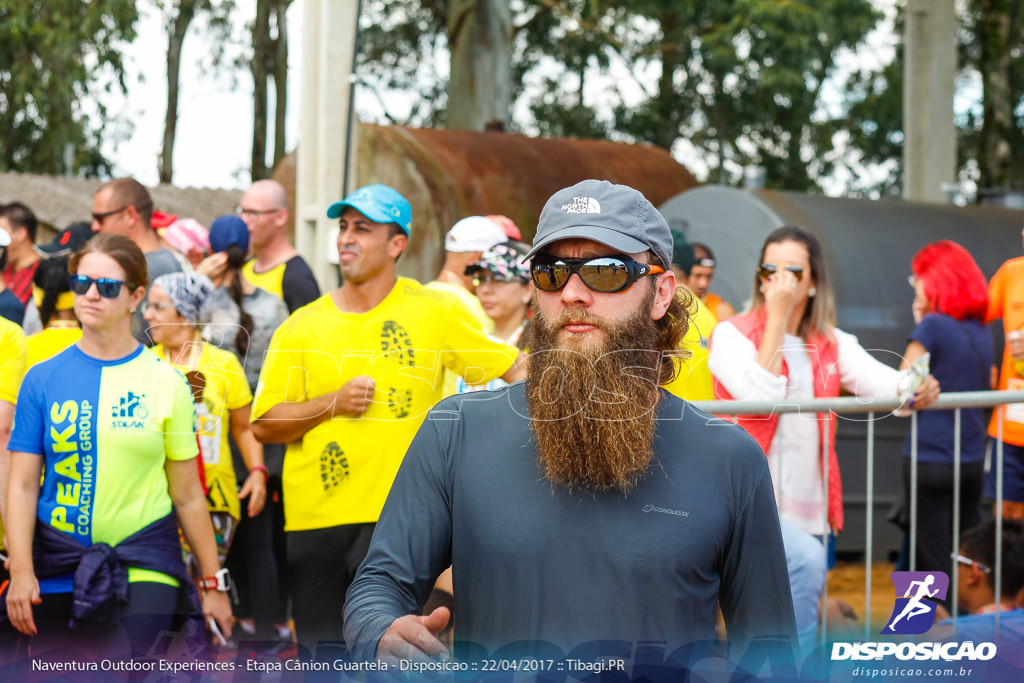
(101,574)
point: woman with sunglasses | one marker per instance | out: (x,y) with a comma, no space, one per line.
(787,348)
(95,555)
(177,308)
(950,302)
(502,284)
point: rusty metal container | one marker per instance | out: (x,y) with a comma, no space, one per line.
(450,174)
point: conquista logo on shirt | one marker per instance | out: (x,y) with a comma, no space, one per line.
(129,412)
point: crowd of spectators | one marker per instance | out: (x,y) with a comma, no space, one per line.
(175,401)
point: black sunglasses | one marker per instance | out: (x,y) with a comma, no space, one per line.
(108,288)
(100,217)
(766,271)
(609,274)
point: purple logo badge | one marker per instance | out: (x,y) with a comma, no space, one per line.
(914,611)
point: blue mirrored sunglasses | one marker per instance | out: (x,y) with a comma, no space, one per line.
(107,287)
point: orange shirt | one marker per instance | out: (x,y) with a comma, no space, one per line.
(1006,301)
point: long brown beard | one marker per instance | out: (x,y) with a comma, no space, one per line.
(593,407)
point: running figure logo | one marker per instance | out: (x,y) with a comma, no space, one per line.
(914,613)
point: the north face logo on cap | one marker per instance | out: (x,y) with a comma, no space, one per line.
(582,205)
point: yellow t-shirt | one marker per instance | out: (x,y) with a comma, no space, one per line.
(341,470)
(693,383)
(51,341)
(12,360)
(12,368)
(269,280)
(226,390)
(451,380)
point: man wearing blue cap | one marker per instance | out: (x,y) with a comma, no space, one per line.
(346,383)
(586,513)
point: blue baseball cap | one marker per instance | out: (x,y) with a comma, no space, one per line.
(228,230)
(379,203)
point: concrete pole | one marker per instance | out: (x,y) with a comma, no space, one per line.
(929,70)
(328,34)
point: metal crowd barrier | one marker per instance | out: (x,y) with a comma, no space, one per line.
(854,404)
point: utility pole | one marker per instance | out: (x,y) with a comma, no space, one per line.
(329,35)
(929,71)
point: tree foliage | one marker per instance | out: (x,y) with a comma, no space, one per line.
(269,63)
(55,55)
(179,16)
(402,45)
(992,44)
(991,52)
(739,80)
(742,81)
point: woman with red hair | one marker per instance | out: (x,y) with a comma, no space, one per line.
(950,302)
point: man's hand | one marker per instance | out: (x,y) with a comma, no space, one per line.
(413,638)
(355,396)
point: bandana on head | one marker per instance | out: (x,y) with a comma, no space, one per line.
(190,294)
(504,262)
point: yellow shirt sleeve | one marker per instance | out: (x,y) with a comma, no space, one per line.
(13,361)
(238,394)
(180,432)
(285,374)
(693,381)
(469,353)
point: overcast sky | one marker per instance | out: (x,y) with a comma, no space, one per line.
(214,134)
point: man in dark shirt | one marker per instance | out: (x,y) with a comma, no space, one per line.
(124,207)
(586,510)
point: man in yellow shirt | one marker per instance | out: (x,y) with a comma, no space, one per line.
(275,266)
(701,274)
(346,383)
(463,245)
(693,381)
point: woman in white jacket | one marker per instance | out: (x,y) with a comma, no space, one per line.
(786,349)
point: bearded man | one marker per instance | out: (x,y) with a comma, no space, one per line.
(585,510)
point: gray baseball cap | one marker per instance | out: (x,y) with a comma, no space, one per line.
(614,215)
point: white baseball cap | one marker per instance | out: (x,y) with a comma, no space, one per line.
(473,233)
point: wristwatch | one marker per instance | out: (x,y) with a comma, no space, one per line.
(221,581)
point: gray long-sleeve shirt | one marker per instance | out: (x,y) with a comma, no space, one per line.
(535,563)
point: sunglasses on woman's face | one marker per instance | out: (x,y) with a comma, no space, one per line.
(608,274)
(766,271)
(107,287)
(487,278)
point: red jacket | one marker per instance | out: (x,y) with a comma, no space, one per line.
(826,385)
